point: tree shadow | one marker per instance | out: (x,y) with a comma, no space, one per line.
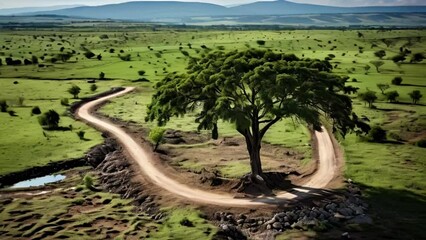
(412,85)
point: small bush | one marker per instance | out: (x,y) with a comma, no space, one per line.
(397,81)
(81,134)
(12,113)
(126,58)
(186,222)
(36,110)
(88,181)
(3,106)
(65,102)
(93,87)
(261,42)
(421,143)
(377,134)
(141,72)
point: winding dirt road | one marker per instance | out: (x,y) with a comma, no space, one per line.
(324,174)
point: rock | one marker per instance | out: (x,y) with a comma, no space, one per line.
(361,219)
(345,212)
(277,225)
(269,227)
(240,221)
(346,235)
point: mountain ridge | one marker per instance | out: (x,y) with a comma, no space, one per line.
(174,11)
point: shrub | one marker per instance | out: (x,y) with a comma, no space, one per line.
(12,113)
(380,54)
(415,95)
(74,90)
(81,134)
(3,106)
(101,76)
(261,42)
(88,181)
(141,72)
(392,96)
(126,58)
(49,120)
(377,134)
(36,110)
(421,143)
(156,136)
(93,87)
(89,54)
(369,97)
(397,80)
(65,102)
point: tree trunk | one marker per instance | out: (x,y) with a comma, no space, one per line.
(253,147)
(215,132)
(156,146)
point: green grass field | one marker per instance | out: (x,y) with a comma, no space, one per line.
(384,169)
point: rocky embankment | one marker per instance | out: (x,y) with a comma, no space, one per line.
(320,215)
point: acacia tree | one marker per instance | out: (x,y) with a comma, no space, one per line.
(254,89)
(74,90)
(415,95)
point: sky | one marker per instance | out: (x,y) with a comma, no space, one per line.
(344,3)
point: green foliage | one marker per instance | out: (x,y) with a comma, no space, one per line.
(141,72)
(383,87)
(156,136)
(261,42)
(101,76)
(421,143)
(36,110)
(377,134)
(254,89)
(368,97)
(415,96)
(3,106)
(398,58)
(88,181)
(126,57)
(93,87)
(397,81)
(81,134)
(89,54)
(49,120)
(65,102)
(392,96)
(417,57)
(377,64)
(380,54)
(74,90)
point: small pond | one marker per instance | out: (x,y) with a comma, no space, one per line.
(40,181)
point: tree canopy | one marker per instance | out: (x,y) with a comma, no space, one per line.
(254,89)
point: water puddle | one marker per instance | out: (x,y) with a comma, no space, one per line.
(40,181)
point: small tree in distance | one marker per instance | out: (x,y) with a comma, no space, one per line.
(397,81)
(101,76)
(392,96)
(74,90)
(415,96)
(156,136)
(49,120)
(3,106)
(377,64)
(93,87)
(368,97)
(383,87)
(380,54)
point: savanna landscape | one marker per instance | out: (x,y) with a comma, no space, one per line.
(158,131)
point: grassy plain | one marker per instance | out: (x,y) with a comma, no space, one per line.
(392,174)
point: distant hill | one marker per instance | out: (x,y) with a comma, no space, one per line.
(147,10)
(180,12)
(12,11)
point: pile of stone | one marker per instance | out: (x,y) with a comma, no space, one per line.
(348,208)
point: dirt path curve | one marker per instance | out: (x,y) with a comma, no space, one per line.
(324,174)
